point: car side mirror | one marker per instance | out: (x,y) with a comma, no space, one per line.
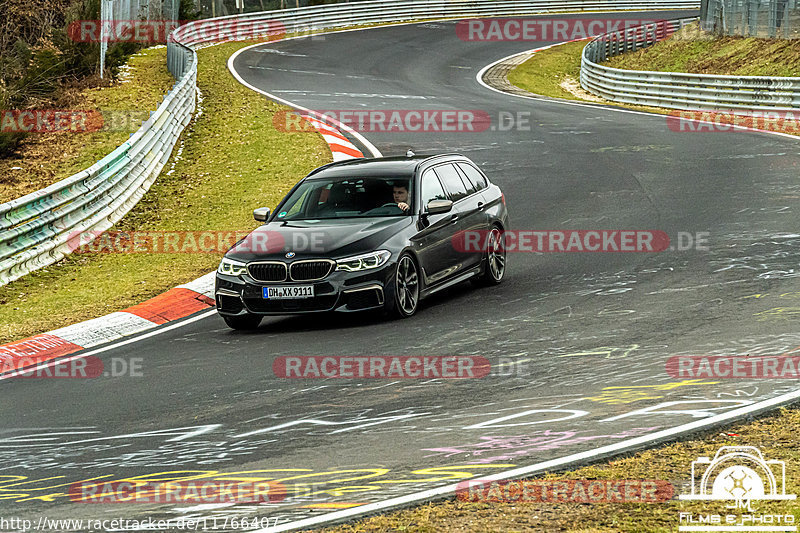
(435,207)
(261,214)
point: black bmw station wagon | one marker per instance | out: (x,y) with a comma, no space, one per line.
(365,234)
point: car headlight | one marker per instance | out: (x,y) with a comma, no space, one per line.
(364,261)
(231,267)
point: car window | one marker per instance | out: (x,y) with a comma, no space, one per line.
(347,197)
(451,181)
(295,209)
(431,188)
(469,184)
(474,175)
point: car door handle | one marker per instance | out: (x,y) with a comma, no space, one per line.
(480,206)
(453,219)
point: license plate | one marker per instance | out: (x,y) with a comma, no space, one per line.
(288,293)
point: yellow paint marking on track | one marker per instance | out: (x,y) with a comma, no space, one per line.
(331,505)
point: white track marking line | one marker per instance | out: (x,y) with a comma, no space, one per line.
(363,140)
(539,467)
(153,333)
(607,107)
(527,471)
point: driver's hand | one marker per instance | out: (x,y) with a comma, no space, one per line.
(404,206)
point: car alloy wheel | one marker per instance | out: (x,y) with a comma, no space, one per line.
(495,267)
(406,286)
(497,255)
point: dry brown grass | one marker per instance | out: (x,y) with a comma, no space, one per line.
(775,435)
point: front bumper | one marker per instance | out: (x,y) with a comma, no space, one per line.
(339,291)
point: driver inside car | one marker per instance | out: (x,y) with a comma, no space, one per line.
(400,196)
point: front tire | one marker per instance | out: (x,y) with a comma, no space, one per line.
(495,259)
(406,287)
(242,322)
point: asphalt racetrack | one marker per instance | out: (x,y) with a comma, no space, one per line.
(578,342)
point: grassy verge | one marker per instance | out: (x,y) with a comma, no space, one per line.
(775,435)
(695,51)
(555,72)
(233,161)
(45,158)
(548,71)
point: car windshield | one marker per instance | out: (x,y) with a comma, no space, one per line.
(348,197)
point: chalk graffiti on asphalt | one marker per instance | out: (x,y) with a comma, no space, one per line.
(299,482)
(634,393)
(514,447)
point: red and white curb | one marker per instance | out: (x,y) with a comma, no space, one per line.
(341,147)
(177,303)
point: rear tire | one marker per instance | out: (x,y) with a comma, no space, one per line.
(495,259)
(242,322)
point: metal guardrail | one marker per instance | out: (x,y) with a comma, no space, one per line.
(309,19)
(673,89)
(41,228)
